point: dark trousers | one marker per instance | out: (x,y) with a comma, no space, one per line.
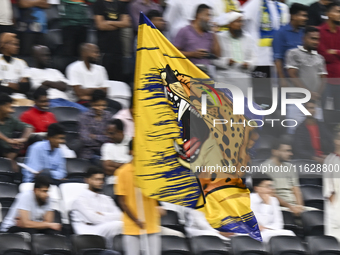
(32,231)
(332,91)
(73,37)
(7,29)
(114,66)
(28,40)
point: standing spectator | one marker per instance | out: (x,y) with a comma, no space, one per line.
(93,126)
(74,21)
(307,69)
(116,152)
(51,79)
(195,41)
(289,37)
(94,213)
(262,20)
(111,16)
(156,18)
(317,12)
(331,190)
(329,48)
(238,54)
(46,157)
(312,139)
(39,116)
(266,208)
(32,24)
(31,211)
(133,224)
(14,72)
(85,75)
(144,6)
(6,17)
(10,146)
(286,184)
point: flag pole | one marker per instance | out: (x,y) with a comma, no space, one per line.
(140,213)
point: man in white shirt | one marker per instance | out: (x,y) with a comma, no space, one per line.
(31,211)
(94,213)
(85,75)
(238,54)
(53,80)
(117,153)
(266,208)
(14,72)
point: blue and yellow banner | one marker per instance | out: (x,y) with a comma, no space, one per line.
(172,136)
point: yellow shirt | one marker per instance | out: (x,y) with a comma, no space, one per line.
(125,187)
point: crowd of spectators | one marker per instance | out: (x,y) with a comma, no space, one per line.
(233,41)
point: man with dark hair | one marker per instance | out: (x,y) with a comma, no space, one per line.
(31,211)
(51,79)
(144,6)
(307,69)
(196,41)
(116,152)
(14,72)
(286,184)
(329,48)
(9,145)
(289,37)
(266,208)
(93,126)
(312,139)
(156,18)
(94,213)
(39,116)
(317,12)
(46,156)
(85,75)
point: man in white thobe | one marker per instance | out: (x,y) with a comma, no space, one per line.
(94,213)
(238,54)
(266,208)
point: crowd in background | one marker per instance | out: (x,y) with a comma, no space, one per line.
(77,51)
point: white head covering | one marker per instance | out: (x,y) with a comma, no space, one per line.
(227,18)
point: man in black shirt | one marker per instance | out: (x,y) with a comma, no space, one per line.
(317,12)
(110,17)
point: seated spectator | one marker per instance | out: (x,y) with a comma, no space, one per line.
(93,125)
(317,13)
(156,18)
(238,54)
(125,115)
(144,6)
(266,208)
(307,70)
(286,184)
(116,152)
(14,72)
(312,139)
(111,17)
(331,190)
(39,116)
(46,157)
(195,41)
(6,17)
(94,213)
(31,211)
(51,79)
(32,24)
(85,75)
(9,145)
(128,198)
